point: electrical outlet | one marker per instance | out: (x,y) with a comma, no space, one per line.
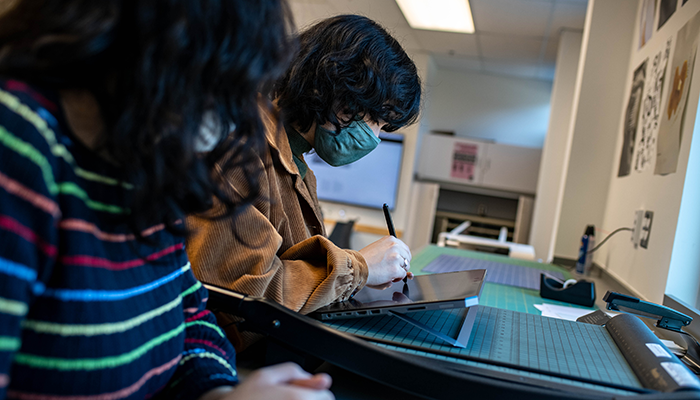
(637,227)
(646,229)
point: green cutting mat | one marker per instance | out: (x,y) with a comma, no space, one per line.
(525,374)
(508,329)
(431,252)
(493,294)
(515,338)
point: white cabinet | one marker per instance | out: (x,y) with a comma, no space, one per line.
(487,165)
(511,168)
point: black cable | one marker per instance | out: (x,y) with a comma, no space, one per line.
(608,237)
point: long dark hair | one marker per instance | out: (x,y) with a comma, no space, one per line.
(156,67)
(349,64)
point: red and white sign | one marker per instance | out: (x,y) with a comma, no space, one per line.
(464,161)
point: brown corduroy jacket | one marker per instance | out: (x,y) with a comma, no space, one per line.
(284,254)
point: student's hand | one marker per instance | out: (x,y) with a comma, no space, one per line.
(280,382)
(400,298)
(388,260)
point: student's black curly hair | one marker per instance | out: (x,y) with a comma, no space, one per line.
(156,67)
(349,64)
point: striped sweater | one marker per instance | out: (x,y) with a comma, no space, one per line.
(86,311)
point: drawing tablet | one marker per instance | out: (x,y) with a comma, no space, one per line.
(424,292)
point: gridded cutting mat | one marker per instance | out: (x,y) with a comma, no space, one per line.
(497,272)
(494,295)
(527,340)
(525,374)
(427,254)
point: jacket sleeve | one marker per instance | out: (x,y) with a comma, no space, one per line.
(243,254)
(208,360)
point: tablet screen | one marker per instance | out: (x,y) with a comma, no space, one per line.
(449,287)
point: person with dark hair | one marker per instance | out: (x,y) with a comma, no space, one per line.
(348,80)
(112,114)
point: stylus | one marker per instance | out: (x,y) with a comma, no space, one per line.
(390,226)
(389,221)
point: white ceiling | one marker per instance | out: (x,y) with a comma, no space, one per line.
(513,37)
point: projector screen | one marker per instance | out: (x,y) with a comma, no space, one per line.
(369,182)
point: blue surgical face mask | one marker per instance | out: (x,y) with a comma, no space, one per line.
(352,143)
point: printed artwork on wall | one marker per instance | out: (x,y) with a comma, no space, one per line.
(464,161)
(646,21)
(629,131)
(645,147)
(668,144)
(666,9)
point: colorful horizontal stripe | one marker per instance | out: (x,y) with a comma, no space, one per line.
(71,188)
(63,229)
(209,355)
(99,329)
(87,364)
(23,87)
(87,227)
(112,295)
(119,394)
(17,270)
(22,272)
(97,262)
(9,343)
(29,152)
(15,105)
(199,315)
(13,307)
(207,343)
(208,325)
(12,225)
(192,289)
(37,200)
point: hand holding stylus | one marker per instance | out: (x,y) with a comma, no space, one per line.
(392,232)
(387,260)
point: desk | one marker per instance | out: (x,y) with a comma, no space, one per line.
(349,386)
(494,295)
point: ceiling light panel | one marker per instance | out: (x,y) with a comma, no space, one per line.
(438,15)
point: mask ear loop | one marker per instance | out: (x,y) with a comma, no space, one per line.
(365,127)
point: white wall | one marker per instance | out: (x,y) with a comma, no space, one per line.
(508,110)
(420,215)
(674,235)
(684,271)
(684,275)
(593,193)
(555,153)
(599,100)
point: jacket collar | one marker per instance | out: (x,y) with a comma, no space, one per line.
(279,144)
(277,139)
